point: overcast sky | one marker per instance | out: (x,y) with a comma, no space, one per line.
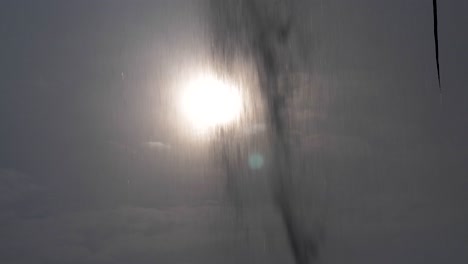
(94,169)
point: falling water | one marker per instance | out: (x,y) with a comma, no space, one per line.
(271,36)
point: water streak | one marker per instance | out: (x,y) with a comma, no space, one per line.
(267,33)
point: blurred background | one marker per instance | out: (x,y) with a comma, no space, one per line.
(100,160)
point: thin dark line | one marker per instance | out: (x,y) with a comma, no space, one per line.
(436,39)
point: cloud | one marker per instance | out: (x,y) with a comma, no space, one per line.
(206,233)
(15,186)
(122,234)
(158,145)
(19,195)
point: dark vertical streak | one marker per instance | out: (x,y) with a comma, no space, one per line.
(265,38)
(436,40)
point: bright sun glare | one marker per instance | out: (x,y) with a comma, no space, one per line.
(209,102)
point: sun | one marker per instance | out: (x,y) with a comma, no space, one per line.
(209,102)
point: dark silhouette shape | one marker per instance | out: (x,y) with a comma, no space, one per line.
(265,37)
(436,40)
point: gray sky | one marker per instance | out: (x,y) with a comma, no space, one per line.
(84,86)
